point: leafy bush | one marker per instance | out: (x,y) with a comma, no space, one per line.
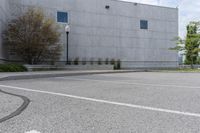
(84,62)
(99,61)
(76,61)
(91,61)
(112,62)
(117,65)
(198,60)
(34,37)
(12,68)
(107,61)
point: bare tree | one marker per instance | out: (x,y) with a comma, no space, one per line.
(34,37)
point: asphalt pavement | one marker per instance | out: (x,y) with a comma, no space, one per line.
(145,102)
(8,104)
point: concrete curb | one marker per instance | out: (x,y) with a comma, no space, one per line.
(48,75)
(19,110)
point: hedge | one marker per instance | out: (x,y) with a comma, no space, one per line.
(12,68)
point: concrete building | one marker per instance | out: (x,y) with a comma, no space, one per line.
(4,14)
(139,35)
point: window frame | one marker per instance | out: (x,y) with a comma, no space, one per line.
(62,12)
(146,22)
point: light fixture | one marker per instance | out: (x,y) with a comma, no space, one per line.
(67,28)
(107,7)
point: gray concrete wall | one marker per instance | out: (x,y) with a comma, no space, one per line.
(4,14)
(115,33)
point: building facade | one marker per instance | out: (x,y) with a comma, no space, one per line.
(139,35)
(4,13)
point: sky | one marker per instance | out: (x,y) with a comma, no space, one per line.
(189,10)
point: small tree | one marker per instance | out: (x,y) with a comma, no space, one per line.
(190,46)
(34,37)
(190,51)
(192,43)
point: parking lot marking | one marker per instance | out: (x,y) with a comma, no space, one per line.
(106,102)
(33,131)
(132,83)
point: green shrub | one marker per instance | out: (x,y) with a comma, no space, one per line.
(112,62)
(84,62)
(198,60)
(99,61)
(76,61)
(107,61)
(117,65)
(91,62)
(12,68)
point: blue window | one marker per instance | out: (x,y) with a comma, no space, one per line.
(62,17)
(143,24)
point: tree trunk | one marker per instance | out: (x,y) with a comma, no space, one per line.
(192,63)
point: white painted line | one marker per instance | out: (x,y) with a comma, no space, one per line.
(132,83)
(33,131)
(107,102)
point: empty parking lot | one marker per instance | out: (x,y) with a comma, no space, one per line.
(108,103)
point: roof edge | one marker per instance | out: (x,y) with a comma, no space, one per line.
(145,4)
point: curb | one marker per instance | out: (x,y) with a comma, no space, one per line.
(35,76)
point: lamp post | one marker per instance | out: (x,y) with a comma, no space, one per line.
(67,30)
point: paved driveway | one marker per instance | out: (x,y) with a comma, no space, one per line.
(108,103)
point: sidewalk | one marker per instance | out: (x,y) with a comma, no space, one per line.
(48,74)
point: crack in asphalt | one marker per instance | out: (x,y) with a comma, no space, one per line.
(19,110)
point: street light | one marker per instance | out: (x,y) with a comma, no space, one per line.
(67,30)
